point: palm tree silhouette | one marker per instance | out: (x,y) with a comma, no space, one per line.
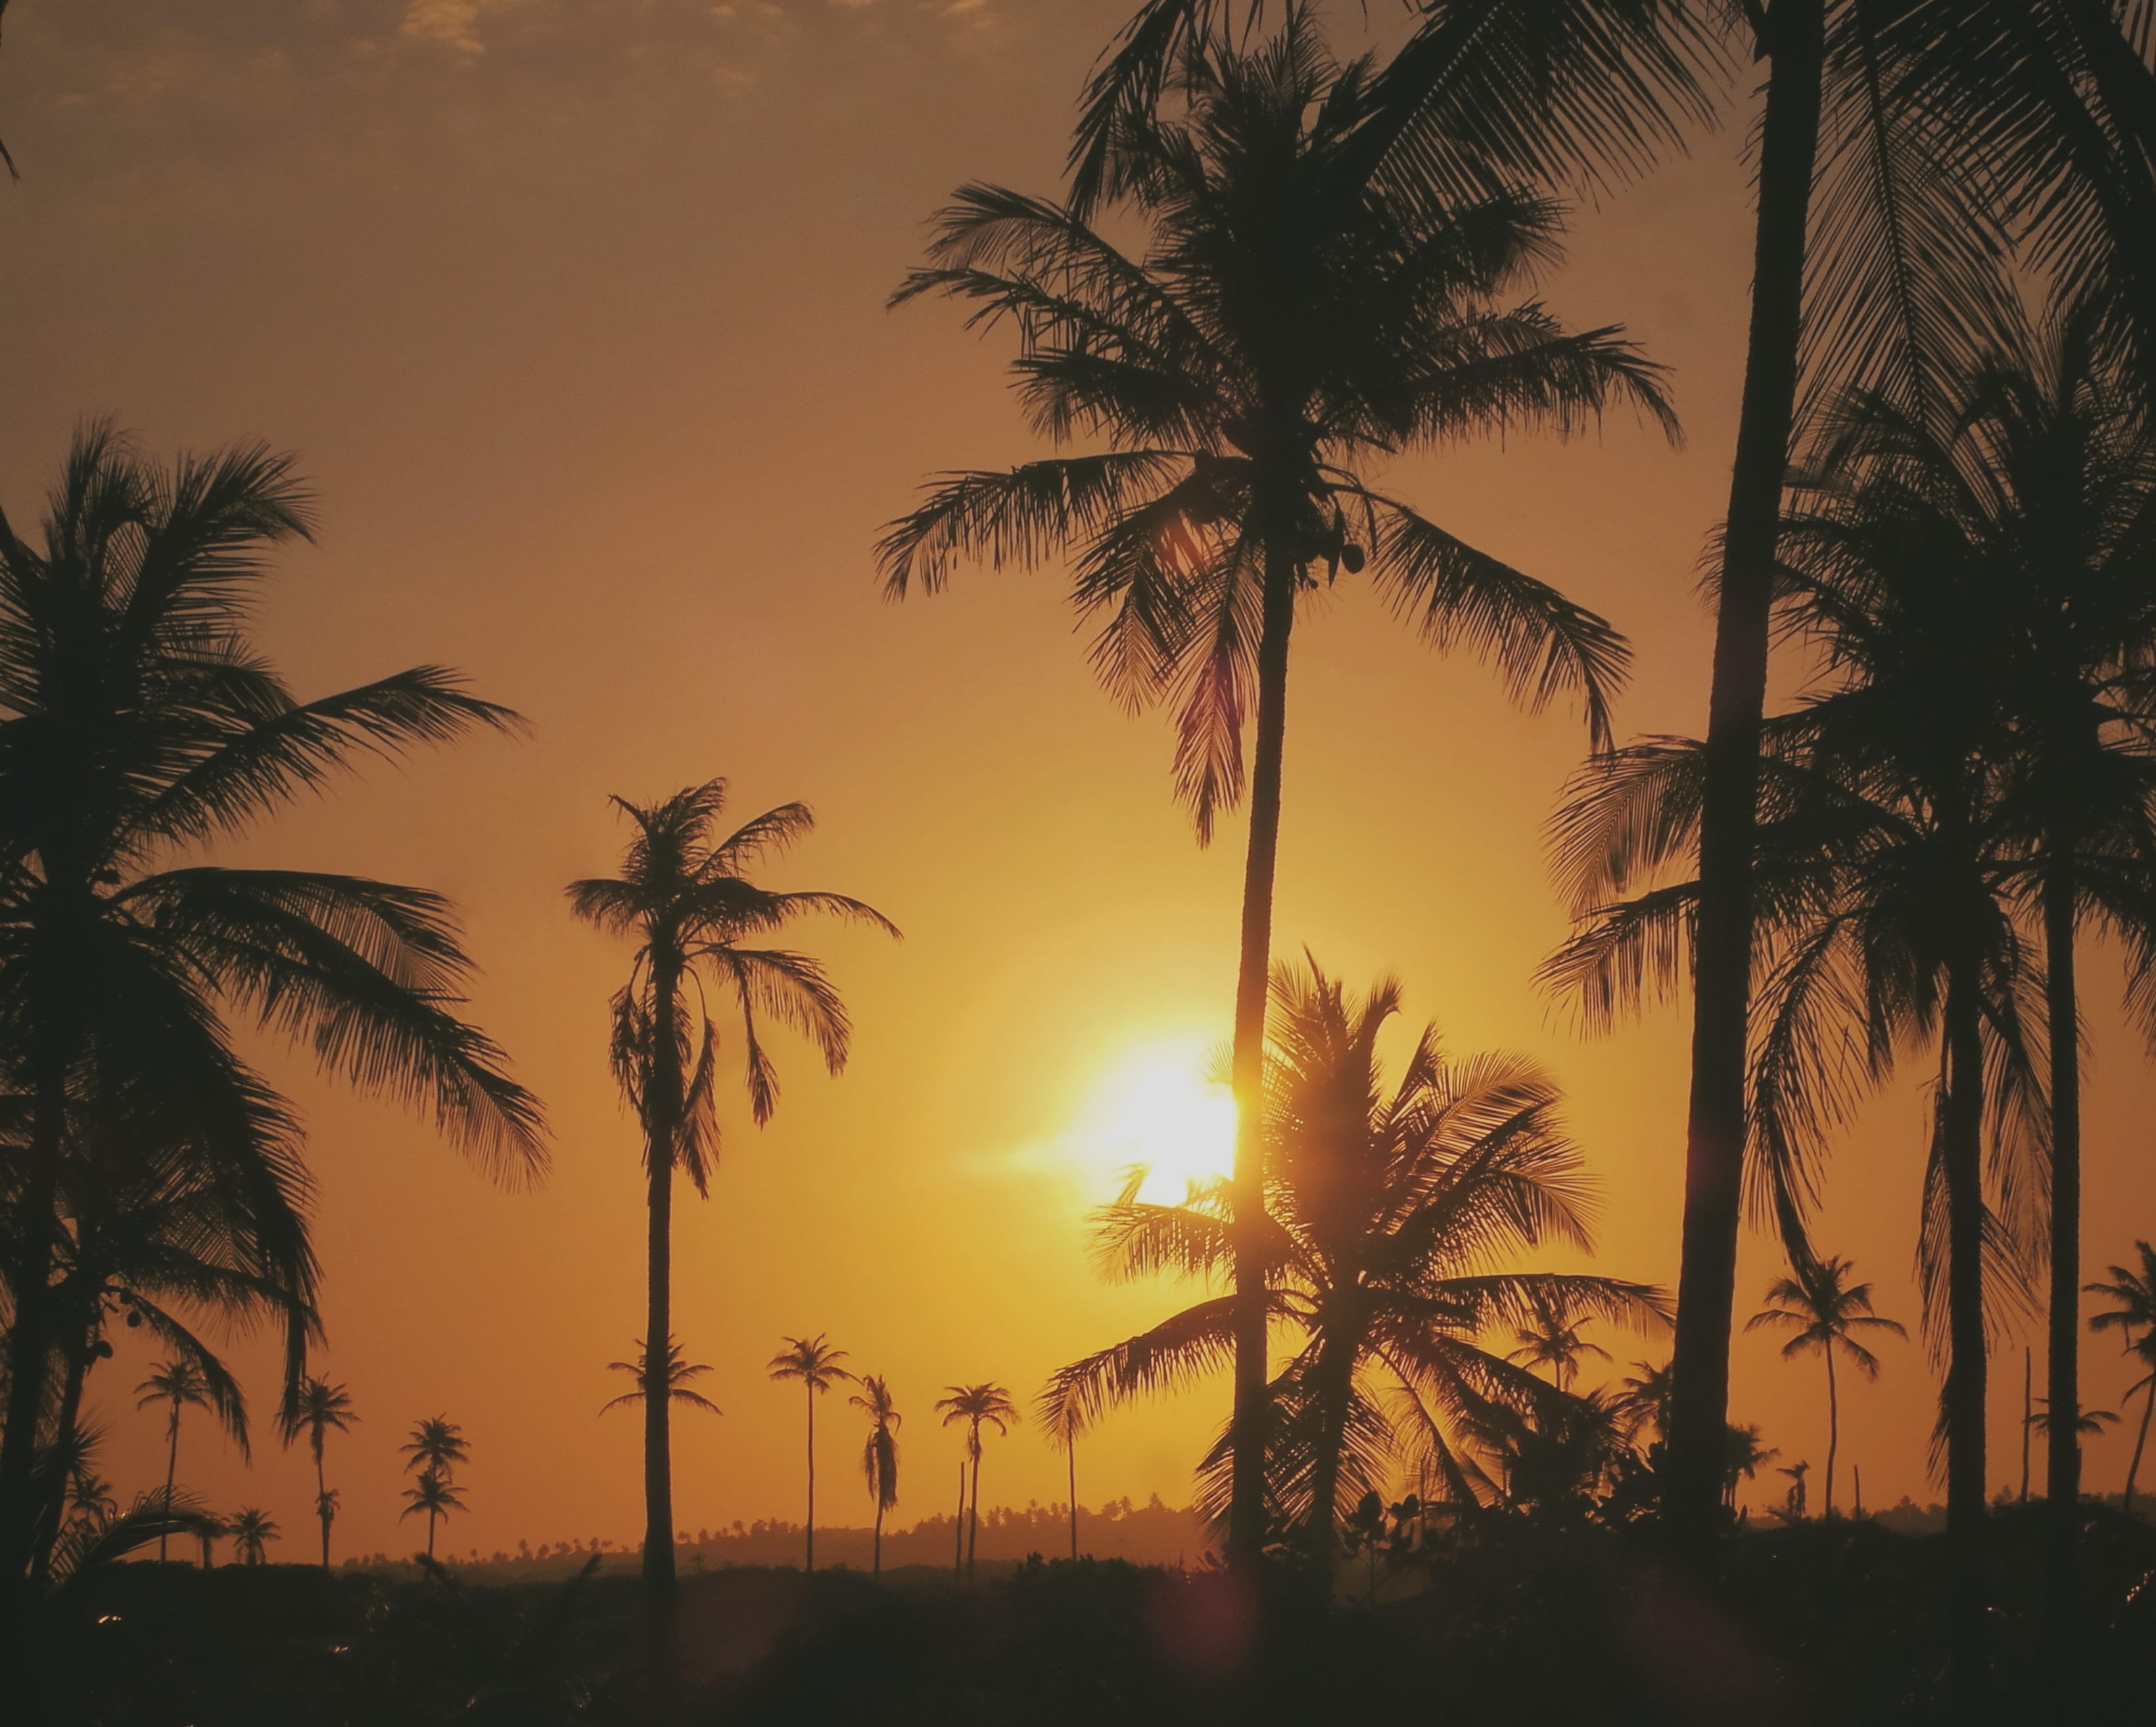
(1295,318)
(1391,1209)
(316,1409)
(684,896)
(432,1495)
(1793,1505)
(816,1363)
(678,1373)
(252,1532)
(1825,1311)
(878,1453)
(987,1404)
(1059,1416)
(1742,1457)
(176,1384)
(437,1445)
(140,720)
(1873,262)
(1552,1339)
(1641,1401)
(2135,1292)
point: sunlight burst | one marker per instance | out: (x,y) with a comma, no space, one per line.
(1157,1108)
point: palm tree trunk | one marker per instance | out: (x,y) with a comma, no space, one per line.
(1794,38)
(663,1094)
(171,1471)
(2141,1439)
(875,1564)
(1833,1425)
(2062,1445)
(1246,1509)
(322,1501)
(808,1565)
(430,1532)
(1333,1380)
(2028,1413)
(959,1525)
(1071,1455)
(53,1513)
(973,1518)
(1968,1639)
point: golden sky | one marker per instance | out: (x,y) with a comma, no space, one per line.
(574,312)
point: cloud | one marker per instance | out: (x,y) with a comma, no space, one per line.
(452,23)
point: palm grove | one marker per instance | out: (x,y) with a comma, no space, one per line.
(1273,272)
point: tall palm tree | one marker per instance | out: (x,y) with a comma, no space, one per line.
(1292,319)
(878,1452)
(677,1372)
(1873,263)
(987,1404)
(137,719)
(684,896)
(252,1532)
(176,1384)
(1060,1419)
(2135,1292)
(437,1445)
(1824,1311)
(1552,1339)
(816,1363)
(1392,1209)
(318,1409)
(432,1495)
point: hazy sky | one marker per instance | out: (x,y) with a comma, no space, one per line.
(574,314)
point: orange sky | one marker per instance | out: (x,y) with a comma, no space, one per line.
(574,314)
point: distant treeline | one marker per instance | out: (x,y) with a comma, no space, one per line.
(1155,1533)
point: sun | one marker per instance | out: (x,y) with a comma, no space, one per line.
(1155,1107)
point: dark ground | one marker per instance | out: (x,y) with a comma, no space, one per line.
(1836,1623)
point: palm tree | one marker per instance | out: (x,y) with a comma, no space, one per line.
(1824,1311)
(137,719)
(318,1409)
(1391,1211)
(436,1447)
(678,1373)
(2135,1292)
(177,1383)
(1060,1420)
(1551,1339)
(880,1452)
(1873,263)
(1641,1401)
(816,1363)
(987,1404)
(1294,318)
(684,898)
(432,1495)
(252,1532)
(1742,1457)
(1793,1505)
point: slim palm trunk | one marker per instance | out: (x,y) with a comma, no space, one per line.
(171,1471)
(809,1562)
(1071,1455)
(322,1500)
(875,1563)
(958,1526)
(1246,1512)
(664,1086)
(2062,1448)
(430,1532)
(1715,1128)
(1968,1637)
(1833,1425)
(2140,1440)
(973,1518)
(2028,1412)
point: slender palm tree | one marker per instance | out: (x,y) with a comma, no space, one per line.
(878,1452)
(136,720)
(816,1363)
(437,1447)
(1873,262)
(176,1384)
(2135,1292)
(1552,1339)
(1641,1401)
(1392,1209)
(1824,1311)
(432,1495)
(678,1373)
(1058,1417)
(252,1532)
(1742,1457)
(684,896)
(1292,319)
(987,1404)
(319,1409)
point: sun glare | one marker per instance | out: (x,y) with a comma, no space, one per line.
(1156,1108)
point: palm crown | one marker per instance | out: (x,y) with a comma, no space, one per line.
(437,1445)
(812,1361)
(1291,319)
(678,1373)
(987,1404)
